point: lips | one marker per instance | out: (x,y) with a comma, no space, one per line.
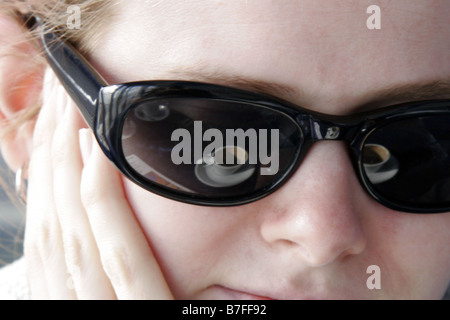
(219,292)
(231,294)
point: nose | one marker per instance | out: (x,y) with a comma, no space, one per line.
(317,213)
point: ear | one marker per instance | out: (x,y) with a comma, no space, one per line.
(20,88)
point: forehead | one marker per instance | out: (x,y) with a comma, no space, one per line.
(323,48)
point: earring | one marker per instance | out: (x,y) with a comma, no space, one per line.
(22,183)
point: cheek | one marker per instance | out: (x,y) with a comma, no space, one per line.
(180,235)
(413,252)
(190,243)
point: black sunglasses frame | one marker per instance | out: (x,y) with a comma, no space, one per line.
(103,107)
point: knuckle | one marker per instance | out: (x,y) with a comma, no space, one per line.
(117,266)
(42,239)
(42,232)
(89,193)
(38,244)
(93,192)
(59,150)
(73,252)
(33,245)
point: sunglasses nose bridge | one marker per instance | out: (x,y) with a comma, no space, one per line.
(320,129)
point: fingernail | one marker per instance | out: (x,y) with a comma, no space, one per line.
(85,140)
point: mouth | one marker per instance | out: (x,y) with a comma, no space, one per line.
(220,292)
(224,293)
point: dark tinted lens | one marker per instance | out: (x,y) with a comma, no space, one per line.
(213,149)
(408,161)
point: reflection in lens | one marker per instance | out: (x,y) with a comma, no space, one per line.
(128,130)
(149,150)
(230,156)
(417,171)
(375,155)
(220,172)
(211,176)
(379,164)
(152,111)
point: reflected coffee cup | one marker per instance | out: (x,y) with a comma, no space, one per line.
(229,159)
(375,156)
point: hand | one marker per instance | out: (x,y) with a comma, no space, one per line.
(82,240)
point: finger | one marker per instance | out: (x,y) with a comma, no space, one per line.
(124,250)
(80,249)
(42,244)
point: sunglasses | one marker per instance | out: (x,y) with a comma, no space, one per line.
(214,145)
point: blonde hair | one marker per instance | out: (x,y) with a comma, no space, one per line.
(56,14)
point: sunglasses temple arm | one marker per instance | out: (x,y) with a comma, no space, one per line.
(75,73)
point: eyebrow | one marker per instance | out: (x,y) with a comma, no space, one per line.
(432,90)
(375,98)
(231,80)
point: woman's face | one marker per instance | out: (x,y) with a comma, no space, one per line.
(315,237)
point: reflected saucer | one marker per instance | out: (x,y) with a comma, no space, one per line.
(384,172)
(207,174)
